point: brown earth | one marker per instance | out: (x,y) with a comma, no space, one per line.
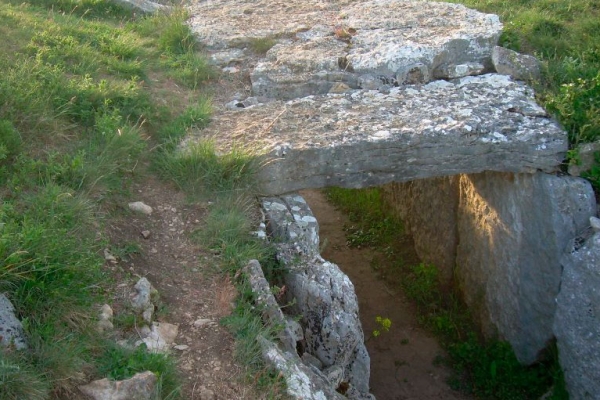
(403,360)
(189,285)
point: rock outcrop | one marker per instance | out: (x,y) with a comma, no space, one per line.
(11,329)
(509,232)
(577,322)
(321,294)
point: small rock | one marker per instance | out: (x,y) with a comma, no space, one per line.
(231,70)
(201,322)
(339,87)
(595,223)
(11,329)
(141,299)
(145,234)
(148,312)
(139,387)
(206,394)
(181,347)
(585,158)
(161,337)
(105,319)
(109,257)
(140,207)
(519,66)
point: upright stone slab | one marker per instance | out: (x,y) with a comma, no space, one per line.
(366,138)
(320,293)
(513,229)
(577,322)
(428,209)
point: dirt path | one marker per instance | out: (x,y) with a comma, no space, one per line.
(189,286)
(403,363)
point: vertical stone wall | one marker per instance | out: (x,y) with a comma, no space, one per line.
(504,234)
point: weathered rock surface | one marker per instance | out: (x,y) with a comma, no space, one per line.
(141,299)
(272,314)
(302,382)
(159,338)
(520,66)
(144,6)
(512,232)
(322,294)
(577,322)
(11,329)
(586,154)
(400,42)
(139,387)
(366,138)
(508,233)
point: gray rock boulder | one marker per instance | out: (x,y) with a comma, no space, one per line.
(513,230)
(577,321)
(519,66)
(11,329)
(366,138)
(141,386)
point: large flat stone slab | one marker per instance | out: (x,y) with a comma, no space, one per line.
(365,138)
(393,41)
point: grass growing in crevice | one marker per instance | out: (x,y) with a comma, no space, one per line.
(77,112)
(486,369)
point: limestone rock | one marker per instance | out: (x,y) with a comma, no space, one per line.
(302,382)
(409,43)
(367,138)
(140,207)
(144,6)
(577,322)
(160,338)
(272,314)
(141,386)
(586,154)
(141,299)
(512,232)
(520,66)
(11,329)
(322,294)
(427,208)
(105,319)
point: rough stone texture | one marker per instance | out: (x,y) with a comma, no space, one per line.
(505,234)
(400,42)
(428,209)
(302,382)
(105,319)
(272,314)
(230,23)
(140,207)
(319,292)
(141,299)
(367,138)
(586,157)
(512,232)
(159,338)
(144,6)
(577,322)
(520,66)
(141,386)
(11,329)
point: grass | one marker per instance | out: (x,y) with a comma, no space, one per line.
(485,369)
(77,114)
(565,36)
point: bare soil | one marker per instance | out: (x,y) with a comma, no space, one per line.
(189,285)
(404,361)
